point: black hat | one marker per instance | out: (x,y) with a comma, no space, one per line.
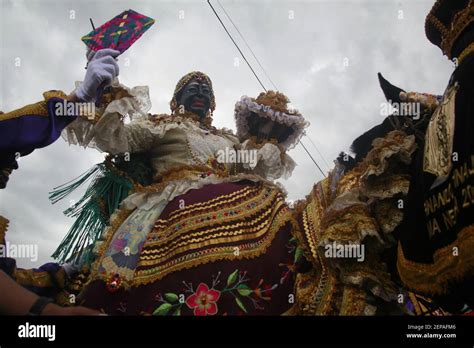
(446,21)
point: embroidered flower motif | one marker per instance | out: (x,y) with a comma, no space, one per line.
(203,301)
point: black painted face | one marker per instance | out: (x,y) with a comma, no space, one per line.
(196,98)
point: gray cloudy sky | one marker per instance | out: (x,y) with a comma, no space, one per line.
(303,46)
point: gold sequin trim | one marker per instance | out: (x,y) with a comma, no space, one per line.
(3,228)
(226,253)
(169,233)
(37,109)
(167,230)
(353,301)
(466,52)
(460,22)
(435,278)
(187,242)
(180,172)
(202,205)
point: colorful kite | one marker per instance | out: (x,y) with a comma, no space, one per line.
(120,32)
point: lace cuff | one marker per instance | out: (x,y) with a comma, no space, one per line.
(271,163)
(109,133)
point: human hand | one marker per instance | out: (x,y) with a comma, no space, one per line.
(101,71)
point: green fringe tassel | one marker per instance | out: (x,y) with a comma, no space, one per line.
(107,189)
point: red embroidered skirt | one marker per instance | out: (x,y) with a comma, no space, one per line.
(224,249)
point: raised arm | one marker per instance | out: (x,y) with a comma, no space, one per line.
(105,129)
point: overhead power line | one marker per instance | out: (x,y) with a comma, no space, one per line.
(255,74)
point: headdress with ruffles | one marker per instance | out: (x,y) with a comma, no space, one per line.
(274,106)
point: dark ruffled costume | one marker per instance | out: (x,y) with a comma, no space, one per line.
(435,255)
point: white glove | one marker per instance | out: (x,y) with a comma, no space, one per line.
(101,71)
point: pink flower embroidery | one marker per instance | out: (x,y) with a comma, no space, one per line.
(203,301)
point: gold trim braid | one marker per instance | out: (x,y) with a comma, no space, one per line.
(207,236)
(449,32)
(449,265)
(461,21)
(36,109)
(3,228)
(466,52)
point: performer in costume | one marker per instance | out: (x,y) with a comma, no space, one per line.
(353,208)
(21,132)
(29,128)
(208,236)
(435,251)
(423,211)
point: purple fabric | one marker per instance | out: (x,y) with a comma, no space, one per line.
(54,270)
(27,133)
(23,135)
(7,265)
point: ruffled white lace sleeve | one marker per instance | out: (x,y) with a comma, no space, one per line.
(109,133)
(271,163)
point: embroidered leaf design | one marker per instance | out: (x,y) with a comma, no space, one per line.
(244,290)
(171,297)
(241,305)
(177,312)
(163,309)
(298,254)
(232,277)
